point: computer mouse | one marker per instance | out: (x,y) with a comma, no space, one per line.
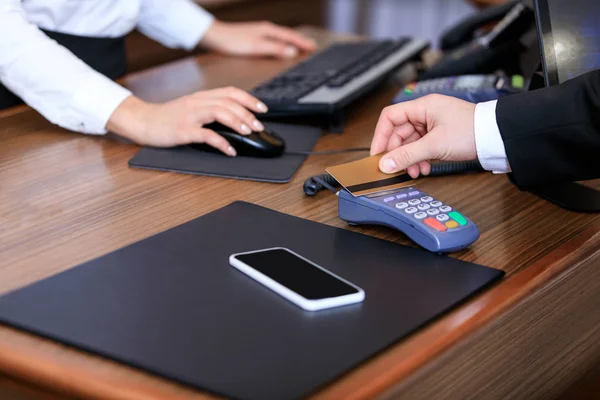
(265,144)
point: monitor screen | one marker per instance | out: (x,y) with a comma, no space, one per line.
(569,32)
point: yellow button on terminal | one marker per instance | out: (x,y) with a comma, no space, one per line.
(452,224)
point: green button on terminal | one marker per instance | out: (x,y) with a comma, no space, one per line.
(458,218)
(518,81)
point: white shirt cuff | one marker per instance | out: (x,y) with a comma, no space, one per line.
(95,102)
(488,140)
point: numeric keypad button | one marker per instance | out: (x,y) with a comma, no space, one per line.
(402,206)
(421,215)
(442,217)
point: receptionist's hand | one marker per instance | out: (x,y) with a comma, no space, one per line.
(256,39)
(430,128)
(181,121)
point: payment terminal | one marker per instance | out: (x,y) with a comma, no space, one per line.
(472,88)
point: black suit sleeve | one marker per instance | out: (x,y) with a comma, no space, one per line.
(553,134)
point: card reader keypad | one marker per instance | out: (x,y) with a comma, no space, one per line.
(427,210)
(432,224)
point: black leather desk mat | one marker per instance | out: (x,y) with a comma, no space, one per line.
(188,160)
(172,305)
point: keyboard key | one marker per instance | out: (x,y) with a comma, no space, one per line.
(458,218)
(427,199)
(451,224)
(411,210)
(402,196)
(433,211)
(414,202)
(388,199)
(420,215)
(438,226)
(402,206)
(436,204)
(445,209)
(424,207)
(442,217)
(414,193)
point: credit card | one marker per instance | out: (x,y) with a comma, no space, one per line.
(363,177)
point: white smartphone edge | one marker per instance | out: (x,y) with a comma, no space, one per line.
(302,302)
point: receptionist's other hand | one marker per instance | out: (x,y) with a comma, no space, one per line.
(181,121)
(430,128)
(256,39)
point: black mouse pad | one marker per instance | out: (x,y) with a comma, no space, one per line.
(193,161)
(172,305)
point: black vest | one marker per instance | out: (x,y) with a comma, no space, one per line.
(105,55)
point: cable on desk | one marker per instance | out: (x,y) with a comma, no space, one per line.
(315,184)
(327,152)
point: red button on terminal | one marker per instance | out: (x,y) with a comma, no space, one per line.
(435,224)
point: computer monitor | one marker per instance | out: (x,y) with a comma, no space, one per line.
(569,34)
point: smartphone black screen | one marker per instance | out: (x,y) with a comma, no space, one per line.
(296,274)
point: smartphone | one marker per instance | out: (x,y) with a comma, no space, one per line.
(297,279)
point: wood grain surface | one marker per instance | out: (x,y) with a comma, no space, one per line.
(66,198)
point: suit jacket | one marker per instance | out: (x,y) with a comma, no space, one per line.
(553,134)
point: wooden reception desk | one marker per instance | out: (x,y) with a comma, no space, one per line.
(66,198)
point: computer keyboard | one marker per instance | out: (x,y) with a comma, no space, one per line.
(336,76)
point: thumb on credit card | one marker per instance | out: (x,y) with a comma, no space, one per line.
(408,155)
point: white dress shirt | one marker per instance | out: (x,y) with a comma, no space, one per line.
(489,143)
(61,87)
